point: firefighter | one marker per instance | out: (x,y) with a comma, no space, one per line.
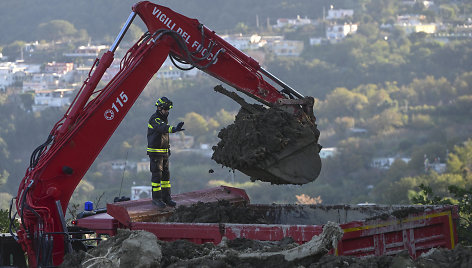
(158,151)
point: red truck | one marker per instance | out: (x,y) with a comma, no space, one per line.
(369,230)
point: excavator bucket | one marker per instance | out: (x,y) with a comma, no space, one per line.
(298,165)
(270,145)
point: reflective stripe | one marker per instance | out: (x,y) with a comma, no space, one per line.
(149,126)
(152,150)
(165,184)
(170,129)
(158,120)
(156,186)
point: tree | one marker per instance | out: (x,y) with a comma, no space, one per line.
(56,30)
(460,161)
(195,124)
(463,84)
(460,196)
(433,91)
(379,101)
(133,34)
(342,102)
(241,27)
(27,100)
(13,51)
(3,177)
(385,121)
(224,117)
(5,220)
(343,124)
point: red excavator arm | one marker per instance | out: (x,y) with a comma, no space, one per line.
(58,165)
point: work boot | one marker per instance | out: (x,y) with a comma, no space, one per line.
(157,199)
(167,198)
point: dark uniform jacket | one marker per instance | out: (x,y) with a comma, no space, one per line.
(158,135)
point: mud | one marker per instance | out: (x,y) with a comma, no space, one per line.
(264,143)
(220,212)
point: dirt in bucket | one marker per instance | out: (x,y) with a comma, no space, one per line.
(269,144)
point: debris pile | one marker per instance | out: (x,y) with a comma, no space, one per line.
(141,249)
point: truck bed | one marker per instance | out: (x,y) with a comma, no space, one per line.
(368,230)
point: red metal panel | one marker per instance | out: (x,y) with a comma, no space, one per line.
(143,211)
(101,223)
(300,233)
(416,233)
(195,232)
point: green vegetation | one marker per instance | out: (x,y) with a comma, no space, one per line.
(5,222)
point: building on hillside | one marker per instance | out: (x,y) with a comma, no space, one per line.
(58,67)
(354,131)
(169,71)
(34,86)
(425,28)
(181,141)
(338,32)
(292,22)
(435,165)
(386,162)
(143,166)
(51,98)
(335,14)
(245,42)
(10,73)
(87,51)
(287,48)
(426,4)
(120,164)
(41,81)
(415,24)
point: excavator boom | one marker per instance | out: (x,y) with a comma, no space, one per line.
(58,165)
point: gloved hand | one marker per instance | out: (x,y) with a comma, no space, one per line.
(178,127)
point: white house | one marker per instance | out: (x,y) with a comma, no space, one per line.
(10,72)
(338,32)
(386,162)
(34,86)
(169,71)
(88,51)
(334,14)
(51,98)
(290,48)
(296,22)
(59,67)
(245,42)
